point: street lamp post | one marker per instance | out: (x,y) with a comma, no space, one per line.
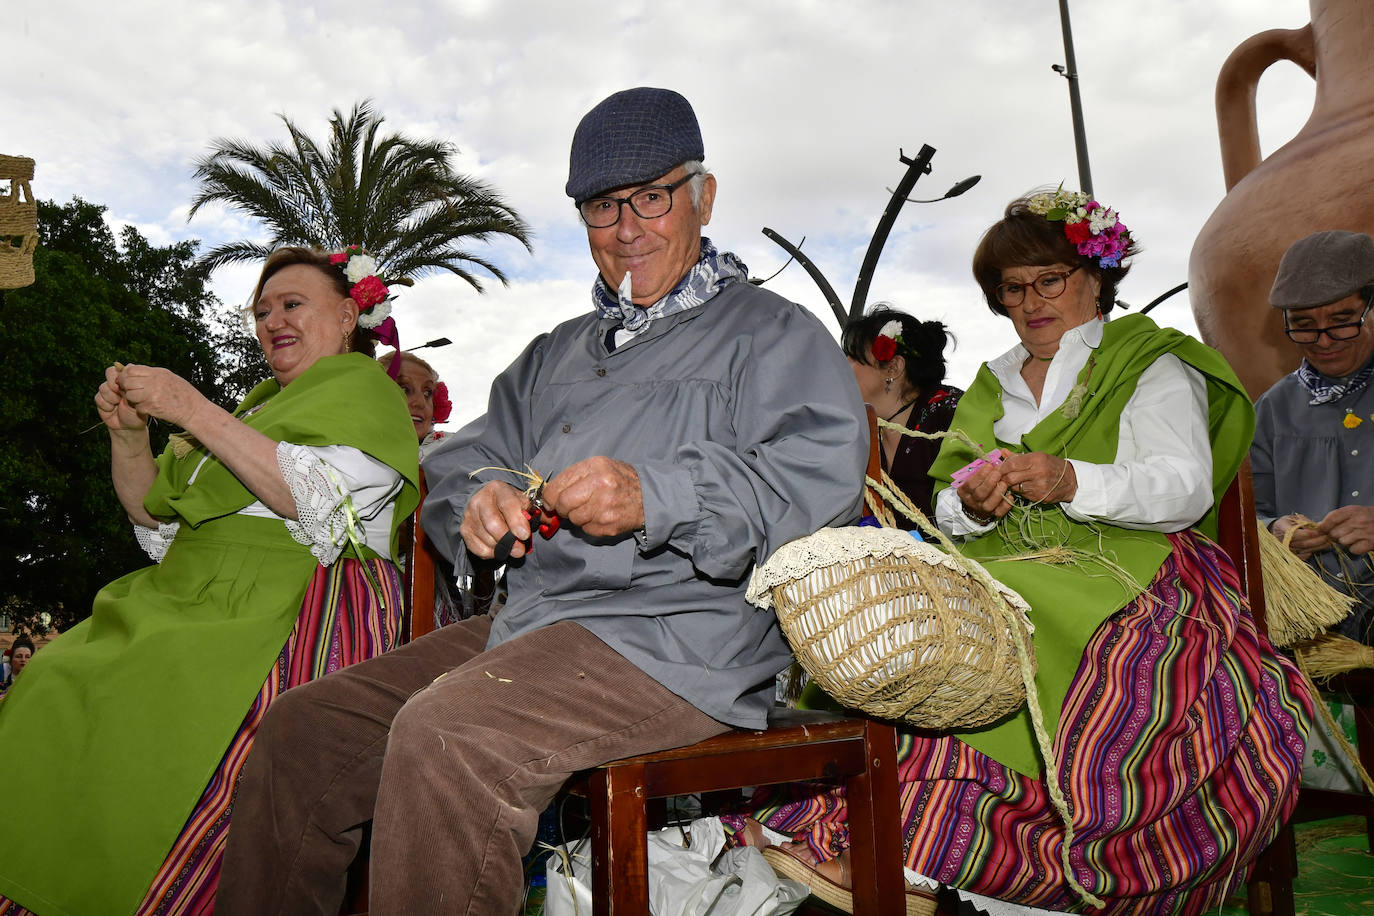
(1069,70)
(436,342)
(898,196)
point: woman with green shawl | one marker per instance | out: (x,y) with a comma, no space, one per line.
(1177,731)
(273,530)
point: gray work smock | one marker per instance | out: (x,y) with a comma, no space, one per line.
(745,425)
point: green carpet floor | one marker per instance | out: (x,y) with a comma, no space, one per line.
(1335,870)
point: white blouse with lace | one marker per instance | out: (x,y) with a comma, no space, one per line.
(323,479)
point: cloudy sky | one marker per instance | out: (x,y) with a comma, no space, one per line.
(803,104)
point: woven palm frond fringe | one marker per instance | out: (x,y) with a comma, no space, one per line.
(18,223)
(1330,654)
(889,625)
(1309,675)
(1298,603)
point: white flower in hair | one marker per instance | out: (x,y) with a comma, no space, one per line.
(892,329)
(1101,219)
(359,266)
(376,315)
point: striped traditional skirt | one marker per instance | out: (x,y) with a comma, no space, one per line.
(1180,746)
(340,622)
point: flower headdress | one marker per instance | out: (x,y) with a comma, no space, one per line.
(1095,230)
(372,295)
(889,341)
(443,407)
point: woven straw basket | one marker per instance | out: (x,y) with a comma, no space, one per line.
(18,223)
(893,627)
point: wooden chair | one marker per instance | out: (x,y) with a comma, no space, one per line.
(797,745)
(418,580)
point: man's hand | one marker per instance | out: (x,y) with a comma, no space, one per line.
(600,495)
(1350,526)
(1306,539)
(493,511)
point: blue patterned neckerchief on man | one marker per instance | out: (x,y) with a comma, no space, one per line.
(712,272)
(1324,390)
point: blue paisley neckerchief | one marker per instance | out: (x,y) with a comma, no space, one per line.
(1324,391)
(713,272)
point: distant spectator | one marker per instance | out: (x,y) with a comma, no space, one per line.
(899,362)
(426,396)
(20,653)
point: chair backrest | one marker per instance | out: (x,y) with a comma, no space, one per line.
(1238,535)
(419,575)
(875,462)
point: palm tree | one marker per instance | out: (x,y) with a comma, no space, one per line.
(398,197)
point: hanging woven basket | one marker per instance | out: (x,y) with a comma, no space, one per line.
(895,628)
(18,223)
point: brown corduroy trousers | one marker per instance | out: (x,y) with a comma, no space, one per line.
(451,751)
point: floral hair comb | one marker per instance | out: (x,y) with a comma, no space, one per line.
(1095,230)
(372,295)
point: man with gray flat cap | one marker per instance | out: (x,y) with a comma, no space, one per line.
(1313,454)
(687,426)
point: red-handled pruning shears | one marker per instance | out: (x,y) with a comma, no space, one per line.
(539,511)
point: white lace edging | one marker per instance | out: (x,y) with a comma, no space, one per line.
(321,519)
(155,541)
(797,559)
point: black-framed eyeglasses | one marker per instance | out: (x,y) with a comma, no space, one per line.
(1347,330)
(648,203)
(1049,285)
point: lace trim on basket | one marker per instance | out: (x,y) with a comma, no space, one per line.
(321,504)
(797,559)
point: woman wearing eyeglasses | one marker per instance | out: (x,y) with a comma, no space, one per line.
(1177,732)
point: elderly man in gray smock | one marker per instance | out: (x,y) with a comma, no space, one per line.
(688,425)
(1313,455)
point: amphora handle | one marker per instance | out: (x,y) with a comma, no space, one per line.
(1237,125)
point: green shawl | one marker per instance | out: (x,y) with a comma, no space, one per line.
(116,727)
(342,390)
(1069,602)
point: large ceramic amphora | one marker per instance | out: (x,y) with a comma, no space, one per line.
(1321,179)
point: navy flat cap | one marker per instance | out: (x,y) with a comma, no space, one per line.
(1322,268)
(632,137)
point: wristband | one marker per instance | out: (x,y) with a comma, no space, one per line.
(976,517)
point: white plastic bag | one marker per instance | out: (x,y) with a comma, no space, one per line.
(682,881)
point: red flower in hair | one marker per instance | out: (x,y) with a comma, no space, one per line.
(884,348)
(368,291)
(1078,232)
(338,257)
(442,405)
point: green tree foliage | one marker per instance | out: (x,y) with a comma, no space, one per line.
(399,197)
(95,301)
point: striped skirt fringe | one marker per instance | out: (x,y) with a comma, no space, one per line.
(1180,747)
(340,623)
